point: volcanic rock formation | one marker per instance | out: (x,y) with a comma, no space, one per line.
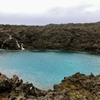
(75,87)
(81,37)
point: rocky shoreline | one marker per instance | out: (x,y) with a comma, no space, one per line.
(76,37)
(75,87)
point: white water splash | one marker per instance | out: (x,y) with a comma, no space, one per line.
(22,48)
(17,44)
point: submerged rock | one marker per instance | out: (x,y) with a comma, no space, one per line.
(75,87)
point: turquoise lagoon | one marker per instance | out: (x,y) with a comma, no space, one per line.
(46,68)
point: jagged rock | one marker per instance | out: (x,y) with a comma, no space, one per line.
(75,87)
(81,37)
(5,84)
(10,44)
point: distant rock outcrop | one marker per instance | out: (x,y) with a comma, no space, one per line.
(75,87)
(81,37)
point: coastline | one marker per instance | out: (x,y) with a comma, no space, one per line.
(77,86)
(75,37)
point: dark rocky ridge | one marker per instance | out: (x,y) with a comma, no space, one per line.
(75,87)
(81,37)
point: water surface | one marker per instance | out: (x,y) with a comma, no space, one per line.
(46,68)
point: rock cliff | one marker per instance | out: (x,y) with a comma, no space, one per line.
(81,37)
(75,87)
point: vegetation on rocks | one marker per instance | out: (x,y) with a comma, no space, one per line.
(81,37)
(75,87)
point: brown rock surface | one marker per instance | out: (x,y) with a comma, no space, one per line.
(75,87)
(81,37)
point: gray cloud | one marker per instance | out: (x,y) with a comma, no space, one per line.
(55,15)
(58,11)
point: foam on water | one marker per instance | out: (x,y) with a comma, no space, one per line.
(45,68)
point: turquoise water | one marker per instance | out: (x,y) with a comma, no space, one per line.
(46,68)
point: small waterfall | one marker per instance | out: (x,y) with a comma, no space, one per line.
(1,47)
(10,37)
(17,44)
(22,48)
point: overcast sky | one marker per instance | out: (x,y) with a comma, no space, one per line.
(42,12)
